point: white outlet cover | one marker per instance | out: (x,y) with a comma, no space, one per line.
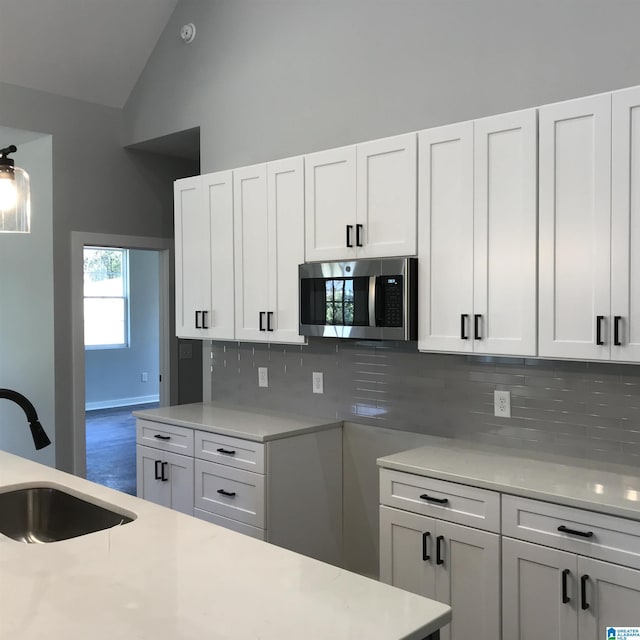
(263,377)
(318,382)
(502,404)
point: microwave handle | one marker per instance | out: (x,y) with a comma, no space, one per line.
(372,301)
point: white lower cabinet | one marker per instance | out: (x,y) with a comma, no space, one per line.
(448,562)
(287,491)
(165,478)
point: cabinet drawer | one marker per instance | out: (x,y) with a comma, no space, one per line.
(233,452)
(457,503)
(168,437)
(234,525)
(232,493)
(611,538)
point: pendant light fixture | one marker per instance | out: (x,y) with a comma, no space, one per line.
(15,201)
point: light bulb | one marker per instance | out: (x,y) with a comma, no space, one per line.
(8,194)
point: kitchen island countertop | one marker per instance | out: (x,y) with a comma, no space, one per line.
(170,576)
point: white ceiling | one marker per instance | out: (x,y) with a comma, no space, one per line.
(92,50)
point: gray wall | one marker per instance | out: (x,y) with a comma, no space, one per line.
(113,376)
(97,187)
(581,409)
(26,307)
(272,78)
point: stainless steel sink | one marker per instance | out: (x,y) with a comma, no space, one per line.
(45,514)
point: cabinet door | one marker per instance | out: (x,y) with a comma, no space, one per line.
(218,195)
(445,238)
(407,550)
(575,216)
(532,592)
(625,225)
(251,252)
(387,212)
(468,580)
(165,478)
(285,192)
(149,485)
(612,597)
(330,204)
(193,257)
(505,231)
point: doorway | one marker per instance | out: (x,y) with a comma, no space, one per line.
(162,249)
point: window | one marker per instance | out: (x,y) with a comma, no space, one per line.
(106,303)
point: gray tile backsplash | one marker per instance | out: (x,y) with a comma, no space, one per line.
(584,409)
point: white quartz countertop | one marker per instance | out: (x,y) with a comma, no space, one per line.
(168,576)
(602,487)
(257,425)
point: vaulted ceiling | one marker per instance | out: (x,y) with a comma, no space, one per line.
(93,50)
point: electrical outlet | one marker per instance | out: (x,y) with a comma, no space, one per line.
(263,377)
(502,403)
(318,382)
(144,376)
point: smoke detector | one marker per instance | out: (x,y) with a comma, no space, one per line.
(188,33)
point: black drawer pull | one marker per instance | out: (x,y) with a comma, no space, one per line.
(565,598)
(439,558)
(425,552)
(428,498)
(164,477)
(228,452)
(269,319)
(204,317)
(463,326)
(616,331)
(599,321)
(229,494)
(349,243)
(476,326)
(158,464)
(159,437)
(574,532)
(261,320)
(584,605)
(359,235)
(197,323)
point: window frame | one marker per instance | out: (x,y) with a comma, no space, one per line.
(125,297)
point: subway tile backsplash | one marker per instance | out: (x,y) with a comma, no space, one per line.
(583,409)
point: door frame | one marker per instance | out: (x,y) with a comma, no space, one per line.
(80,239)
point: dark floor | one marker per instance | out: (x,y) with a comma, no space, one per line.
(111,447)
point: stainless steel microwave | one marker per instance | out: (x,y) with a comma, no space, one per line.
(368,299)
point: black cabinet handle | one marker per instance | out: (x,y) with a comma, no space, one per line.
(425,552)
(228,452)
(269,318)
(574,532)
(158,467)
(204,317)
(159,437)
(616,330)
(197,323)
(476,326)
(463,326)
(439,559)
(565,598)
(349,244)
(599,340)
(359,228)
(261,320)
(429,498)
(229,494)
(163,477)
(584,605)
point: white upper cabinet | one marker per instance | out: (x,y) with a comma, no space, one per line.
(360,201)
(575,228)
(386,220)
(625,226)
(445,251)
(330,204)
(477,236)
(269,246)
(203,208)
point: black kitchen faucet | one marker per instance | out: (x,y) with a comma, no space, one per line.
(40,438)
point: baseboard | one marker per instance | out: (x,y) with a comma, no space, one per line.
(121,402)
